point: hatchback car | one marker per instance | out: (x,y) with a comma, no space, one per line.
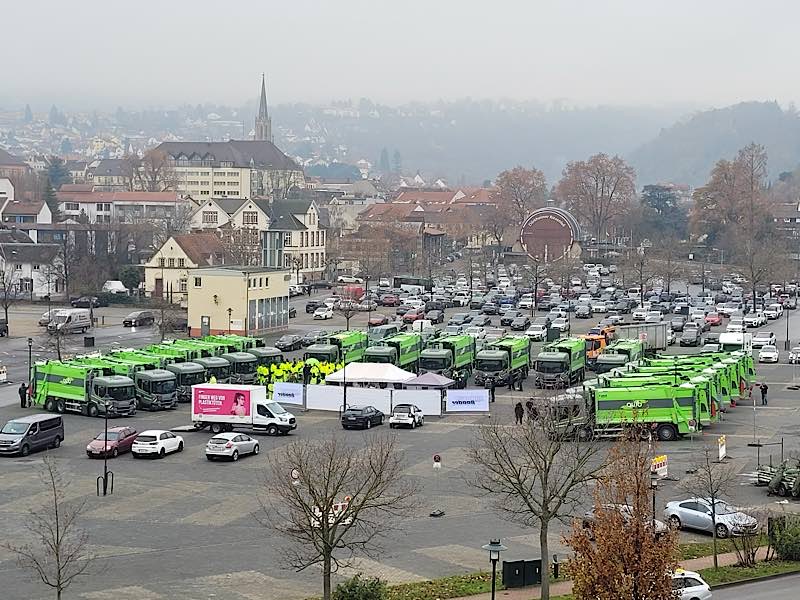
(117,441)
(561,324)
(537,332)
(406,415)
(695,513)
(323,312)
(87,302)
(768,354)
(139,318)
(156,442)
(764,338)
(583,311)
(688,585)
(435,316)
(361,417)
(231,445)
(794,355)
(289,342)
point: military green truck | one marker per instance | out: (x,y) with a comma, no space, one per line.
(503,361)
(402,350)
(156,389)
(187,374)
(561,363)
(617,354)
(446,354)
(62,387)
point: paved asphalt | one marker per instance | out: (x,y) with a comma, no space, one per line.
(183,528)
(783,588)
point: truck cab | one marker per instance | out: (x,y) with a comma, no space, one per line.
(216,367)
(322,352)
(561,363)
(617,354)
(115,394)
(187,374)
(266,355)
(501,362)
(156,389)
(448,353)
(243,367)
(381,354)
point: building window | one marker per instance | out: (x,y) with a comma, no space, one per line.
(182,285)
(171,263)
(162,262)
(71,206)
(287,239)
(204,192)
(198,282)
(250,217)
(18,267)
(266,282)
(260,282)
(233,173)
(35,267)
(181,262)
(209,216)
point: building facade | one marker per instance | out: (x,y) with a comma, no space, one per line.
(124,207)
(31,270)
(240,300)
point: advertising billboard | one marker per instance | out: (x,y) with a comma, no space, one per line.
(218,401)
(475,400)
(548,234)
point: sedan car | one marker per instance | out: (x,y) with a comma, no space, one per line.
(599,306)
(626,511)
(478,333)
(520,323)
(323,312)
(406,415)
(690,337)
(314,337)
(695,513)
(112,443)
(378,319)
(677,323)
(156,442)
(480,321)
(764,338)
(289,342)
(509,316)
(361,417)
(87,302)
(313,305)
(768,354)
(490,308)
(537,332)
(458,319)
(714,319)
(435,316)
(561,324)
(389,300)
(231,445)
(794,355)
(415,314)
(583,311)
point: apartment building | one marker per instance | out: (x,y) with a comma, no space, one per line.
(122,207)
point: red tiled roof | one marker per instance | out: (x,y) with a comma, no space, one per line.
(23,208)
(75,187)
(90,197)
(199,247)
(424,197)
(476,196)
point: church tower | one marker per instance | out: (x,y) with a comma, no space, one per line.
(263,121)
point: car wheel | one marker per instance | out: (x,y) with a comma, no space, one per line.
(272,430)
(180,446)
(134,454)
(56,442)
(209,457)
(25,450)
(722,531)
(256,449)
(345,427)
(162,453)
(369,423)
(235,456)
(91,410)
(380,422)
(391,425)
(49,404)
(413,424)
(674,522)
(114,453)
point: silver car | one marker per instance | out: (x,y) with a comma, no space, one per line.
(231,445)
(695,513)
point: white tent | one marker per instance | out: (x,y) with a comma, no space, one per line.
(370,373)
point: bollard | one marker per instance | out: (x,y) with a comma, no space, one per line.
(555,566)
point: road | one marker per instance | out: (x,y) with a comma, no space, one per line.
(782,588)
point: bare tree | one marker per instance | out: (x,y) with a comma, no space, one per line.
(154,172)
(639,265)
(58,552)
(520,191)
(278,183)
(177,222)
(668,265)
(334,500)
(711,480)
(534,473)
(242,245)
(9,286)
(761,260)
(348,308)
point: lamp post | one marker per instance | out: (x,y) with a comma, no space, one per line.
(787,344)
(654,488)
(230,312)
(494,548)
(30,365)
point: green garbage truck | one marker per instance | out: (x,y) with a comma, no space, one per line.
(156,389)
(561,363)
(216,367)
(503,361)
(266,355)
(187,374)
(347,346)
(243,367)
(446,354)
(402,350)
(617,354)
(62,387)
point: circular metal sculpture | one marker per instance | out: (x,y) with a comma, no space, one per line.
(549,234)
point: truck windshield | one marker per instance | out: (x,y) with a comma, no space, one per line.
(321,356)
(244,368)
(605,365)
(550,366)
(193,378)
(60,319)
(731,347)
(164,387)
(220,372)
(380,358)
(434,363)
(275,408)
(490,364)
(122,393)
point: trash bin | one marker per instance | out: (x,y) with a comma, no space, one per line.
(553,334)
(513,573)
(533,571)
(88,341)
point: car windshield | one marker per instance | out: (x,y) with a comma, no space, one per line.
(275,408)
(164,387)
(723,508)
(355,411)
(286,339)
(762,336)
(218,440)
(112,435)
(122,393)
(433,364)
(490,364)
(146,438)
(14,428)
(549,366)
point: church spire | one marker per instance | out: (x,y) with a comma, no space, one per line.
(263,129)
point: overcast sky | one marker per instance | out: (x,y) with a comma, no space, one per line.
(101,53)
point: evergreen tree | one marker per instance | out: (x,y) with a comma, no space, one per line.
(398,162)
(57,173)
(52,201)
(384,162)
(28,113)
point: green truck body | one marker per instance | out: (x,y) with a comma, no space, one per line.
(243,367)
(63,387)
(107,365)
(206,349)
(347,346)
(156,360)
(187,374)
(234,343)
(156,389)
(503,361)
(617,354)
(402,350)
(445,354)
(561,363)
(175,352)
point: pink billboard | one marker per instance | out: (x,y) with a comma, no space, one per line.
(220,402)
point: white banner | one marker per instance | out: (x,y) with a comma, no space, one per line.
(474,400)
(323,397)
(380,399)
(288,393)
(428,401)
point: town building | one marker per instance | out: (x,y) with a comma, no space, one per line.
(18,212)
(166,274)
(111,175)
(12,166)
(31,271)
(123,206)
(240,300)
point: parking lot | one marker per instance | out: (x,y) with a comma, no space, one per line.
(191,525)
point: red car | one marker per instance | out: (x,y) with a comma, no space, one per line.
(120,439)
(713,319)
(378,319)
(413,315)
(390,300)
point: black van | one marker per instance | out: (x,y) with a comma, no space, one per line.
(34,432)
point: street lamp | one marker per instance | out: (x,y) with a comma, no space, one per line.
(30,366)
(654,488)
(494,548)
(230,312)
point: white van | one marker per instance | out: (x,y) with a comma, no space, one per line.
(70,320)
(114,286)
(634,293)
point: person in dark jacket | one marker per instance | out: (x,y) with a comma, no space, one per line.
(764,390)
(23,395)
(519,412)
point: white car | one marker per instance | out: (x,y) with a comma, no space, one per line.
(477,332)
(156,442)
(689,585)
(599,306)
(755,319)
(561,324)
(735,326)
(794,355)
(653,316)
(536,332)
(768,354)
(764,338)
(406,415)
(231,445)
(773,311)
(639,314)
(323,312)
(348,279)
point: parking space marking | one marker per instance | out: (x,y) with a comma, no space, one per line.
(78,488)
(462,556)
(252,585)
(391,575)
(146,499)
(232,508)
(132,592)
(109,551)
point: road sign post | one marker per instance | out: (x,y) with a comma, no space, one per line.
(437,469)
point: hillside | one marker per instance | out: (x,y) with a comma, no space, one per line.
(686,151)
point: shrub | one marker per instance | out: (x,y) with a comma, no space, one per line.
(787,542)
(357,588)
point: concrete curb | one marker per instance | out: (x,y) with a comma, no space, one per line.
(731,584)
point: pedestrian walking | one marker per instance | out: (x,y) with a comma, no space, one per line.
(764,390)
(23,395)
(529,407)
(519,412)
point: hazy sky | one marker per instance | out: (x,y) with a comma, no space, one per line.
(93,53)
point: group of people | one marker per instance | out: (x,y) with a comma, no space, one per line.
(519,411)
(309,372)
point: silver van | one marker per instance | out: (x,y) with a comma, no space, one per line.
(34,432)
